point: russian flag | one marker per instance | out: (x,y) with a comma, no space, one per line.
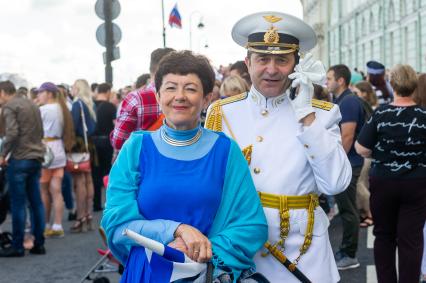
(163,264)
(174,18)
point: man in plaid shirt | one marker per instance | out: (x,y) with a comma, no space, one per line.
(139,110)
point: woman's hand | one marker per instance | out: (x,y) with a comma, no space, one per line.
(198,246)
(179,245)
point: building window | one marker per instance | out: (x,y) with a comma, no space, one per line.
(363,27)
(371,25)
(380,18)
(402,8)
(391,13)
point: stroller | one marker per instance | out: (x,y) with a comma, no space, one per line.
(106,264)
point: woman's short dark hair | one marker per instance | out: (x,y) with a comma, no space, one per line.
(184,63)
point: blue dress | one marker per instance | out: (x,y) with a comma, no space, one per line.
(155,186)
(185,191)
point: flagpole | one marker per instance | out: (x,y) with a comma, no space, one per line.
(164,27)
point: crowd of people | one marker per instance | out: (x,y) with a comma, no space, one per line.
(347,142)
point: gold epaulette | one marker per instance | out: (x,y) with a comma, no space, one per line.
(214,117)
(321,104)
(233,98)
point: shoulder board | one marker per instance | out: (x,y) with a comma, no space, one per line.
(233,98)
(321,104)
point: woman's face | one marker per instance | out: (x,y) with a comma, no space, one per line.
(360,94)
(43,97)
(74,90)
(181,99)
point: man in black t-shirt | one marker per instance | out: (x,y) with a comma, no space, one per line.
(105,116)
(338,79)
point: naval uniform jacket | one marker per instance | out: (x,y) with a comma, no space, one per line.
(290,159)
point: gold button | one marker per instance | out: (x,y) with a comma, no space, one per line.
(306,146)
(259,139)
(256,170)
(264,112)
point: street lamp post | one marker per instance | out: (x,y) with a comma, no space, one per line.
(199,26)
(203,43)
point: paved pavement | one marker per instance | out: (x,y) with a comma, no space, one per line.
(366,272)
(68,259)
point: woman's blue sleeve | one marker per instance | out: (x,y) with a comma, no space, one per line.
(240,228)
(121,209)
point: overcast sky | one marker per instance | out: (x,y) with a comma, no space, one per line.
(54,40)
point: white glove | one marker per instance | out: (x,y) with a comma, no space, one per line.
(307,71)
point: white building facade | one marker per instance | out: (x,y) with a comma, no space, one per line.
(354,32)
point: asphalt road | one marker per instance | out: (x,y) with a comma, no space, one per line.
(70,258)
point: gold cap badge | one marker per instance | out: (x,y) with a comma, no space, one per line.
(271,36)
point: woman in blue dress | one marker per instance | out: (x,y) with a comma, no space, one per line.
(184,186)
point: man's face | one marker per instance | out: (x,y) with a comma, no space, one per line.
(332,84)
(269,72)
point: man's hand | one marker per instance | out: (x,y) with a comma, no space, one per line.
(306,72)
(198,246)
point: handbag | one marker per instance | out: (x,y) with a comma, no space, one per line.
(79,162)
(48,157)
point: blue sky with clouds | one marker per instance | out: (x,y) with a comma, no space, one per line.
(54,40)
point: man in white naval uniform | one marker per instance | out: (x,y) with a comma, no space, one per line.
(293,146)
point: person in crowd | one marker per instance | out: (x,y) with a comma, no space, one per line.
(239,68)
(199,178)
(67,179)
(105,116)
(291,145)
(33,95)
(23,91)
(321,93)
(423,278)
(139,109)
(82,181)
(233,85)
(376,76)
(395,138)
(94,89)
(59,137)
(22,142)
(356,77)
(353,118)
(420,93)
(64,90)
(420,98)
(142,81)
(365,91)
(216,91)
